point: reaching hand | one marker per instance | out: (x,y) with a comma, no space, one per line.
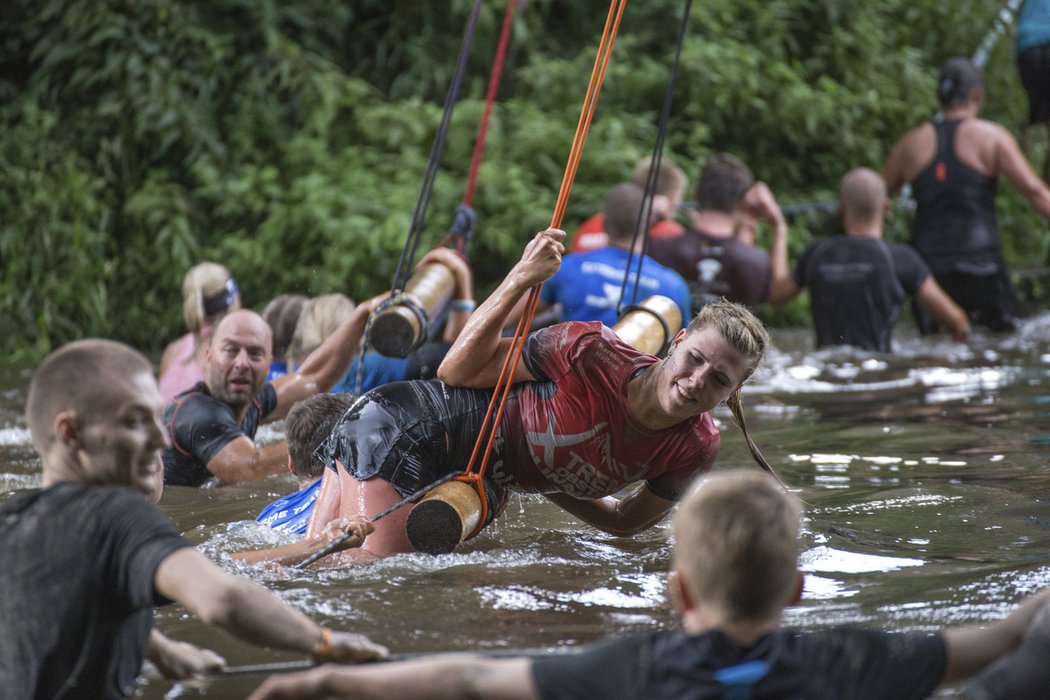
(541,258)
(350,648)
(182,661)
(358,527)
(760,203)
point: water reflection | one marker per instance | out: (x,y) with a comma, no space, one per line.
(923,475)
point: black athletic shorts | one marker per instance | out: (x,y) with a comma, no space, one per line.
(1034,66)
(411,434)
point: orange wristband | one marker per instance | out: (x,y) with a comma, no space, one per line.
(323,650)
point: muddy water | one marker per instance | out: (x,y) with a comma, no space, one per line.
(923,474)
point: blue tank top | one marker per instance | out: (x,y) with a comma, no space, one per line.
(954,228)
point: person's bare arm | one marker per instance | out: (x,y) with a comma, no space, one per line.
(295,552)
(324,366)
(250,612)
(760,204)
(181,660)
(477,356)
(242,460)
(1012,163)
(450,677)
(464,292)
(948,314)
(637,511)
(972,648)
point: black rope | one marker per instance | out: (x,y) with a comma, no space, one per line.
(641,226)
(408,253)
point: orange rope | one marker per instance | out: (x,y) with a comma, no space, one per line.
(475,468)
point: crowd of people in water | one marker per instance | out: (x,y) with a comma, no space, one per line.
(616,436)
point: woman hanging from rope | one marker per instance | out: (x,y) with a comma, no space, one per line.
(586,416)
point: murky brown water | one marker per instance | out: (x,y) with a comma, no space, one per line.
(924,476)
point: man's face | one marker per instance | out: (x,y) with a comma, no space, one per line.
(121,439)
(238,359)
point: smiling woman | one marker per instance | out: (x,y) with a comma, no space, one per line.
(587,416)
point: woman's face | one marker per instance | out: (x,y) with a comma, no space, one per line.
(701,371)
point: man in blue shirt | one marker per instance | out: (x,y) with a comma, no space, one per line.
(308,424)
(588,285)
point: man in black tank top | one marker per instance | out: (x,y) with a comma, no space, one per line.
(953,165)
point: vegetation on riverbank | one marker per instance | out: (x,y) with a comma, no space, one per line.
(288,139)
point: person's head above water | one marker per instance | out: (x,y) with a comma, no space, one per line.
(735,556)
(94,414)
(238,358)
(208,292)
(959,82)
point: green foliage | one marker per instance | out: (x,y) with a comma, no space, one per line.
(288,140)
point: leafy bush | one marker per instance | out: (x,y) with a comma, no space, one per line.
(288,140)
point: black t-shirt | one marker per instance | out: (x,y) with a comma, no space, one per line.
(199,426)
(857,287)
(77,580)
(838,664)
(715,267)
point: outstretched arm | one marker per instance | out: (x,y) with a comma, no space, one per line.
(639,510)
(324,366)
(451,677)
(250,612)
(972,648)
(478,354)
(295,552)
(242,460)
(948,314)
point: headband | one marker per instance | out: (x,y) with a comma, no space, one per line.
(221,301)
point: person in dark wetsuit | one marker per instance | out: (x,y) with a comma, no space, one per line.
(858,281)
(212,426)
(587,416)
(953,165)
(734,568)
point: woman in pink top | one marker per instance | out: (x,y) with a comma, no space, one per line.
(208,293)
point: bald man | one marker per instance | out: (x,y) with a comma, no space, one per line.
(858,281)
(211,427)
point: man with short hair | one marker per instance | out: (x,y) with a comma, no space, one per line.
(717,255)
(734,569)
(308,424)
(670,185)
(588,285)
(88,556)
(858,281)
(212,426)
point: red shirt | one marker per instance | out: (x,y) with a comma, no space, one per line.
(572,432)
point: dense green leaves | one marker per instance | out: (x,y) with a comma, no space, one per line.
(288,140)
